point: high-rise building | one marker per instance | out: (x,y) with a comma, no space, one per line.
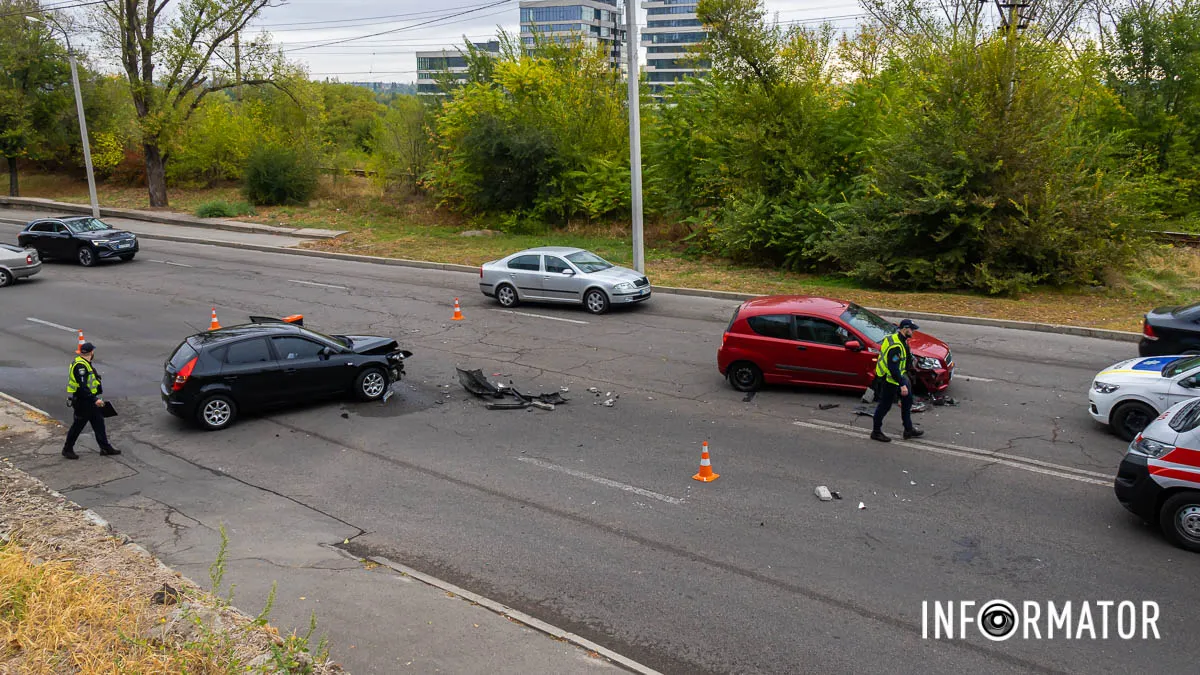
(598,23)
(437,64)
(672,29)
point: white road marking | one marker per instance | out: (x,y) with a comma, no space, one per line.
(168,262)
(1014,461)
(972,378)
(313,283)
(600,480)
(541,316)
(52,324)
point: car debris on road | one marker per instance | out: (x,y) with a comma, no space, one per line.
(475,382)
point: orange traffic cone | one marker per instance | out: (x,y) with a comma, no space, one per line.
(706,473)
(457,311)
(79,347)
(214,324)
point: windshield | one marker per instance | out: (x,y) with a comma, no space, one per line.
(345,342)
(589,262)
(87,225)
(1181,366)
(873,326)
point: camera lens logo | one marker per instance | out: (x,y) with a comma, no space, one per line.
(998,620)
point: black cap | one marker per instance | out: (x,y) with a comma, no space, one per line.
(87,348)
(908,323)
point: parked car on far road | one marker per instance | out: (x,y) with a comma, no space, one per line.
(17,263)
(83,239)
(796,339)
(558,274)
(1171,330)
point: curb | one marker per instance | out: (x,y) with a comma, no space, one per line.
(519,617)
(16,401)
(1059,329)
(167,218)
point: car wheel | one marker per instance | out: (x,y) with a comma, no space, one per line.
(745,376)
(1179,519)
(1129,419)
(216,412)
(595,301)
(86,256)
(371,384)
(507,296)
(128,256)
(6,278)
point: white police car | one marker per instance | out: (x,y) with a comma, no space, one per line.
(1159,477)
(1129,395)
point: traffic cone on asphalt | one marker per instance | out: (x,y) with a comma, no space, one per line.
(79,347)
(457,311)
(706,473)
(214,324)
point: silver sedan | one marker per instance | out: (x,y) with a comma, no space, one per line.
(564,275)
(17,263)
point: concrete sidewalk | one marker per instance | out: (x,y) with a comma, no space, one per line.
(379,618)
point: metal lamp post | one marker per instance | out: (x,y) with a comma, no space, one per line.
(87,149)
(635,137)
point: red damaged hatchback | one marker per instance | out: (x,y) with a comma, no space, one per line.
(796,339)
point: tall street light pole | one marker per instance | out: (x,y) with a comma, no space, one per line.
(635,137)
(87,148)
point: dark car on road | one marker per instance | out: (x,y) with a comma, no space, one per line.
(83,239)
(1167,331)
(214,376)
(801,340)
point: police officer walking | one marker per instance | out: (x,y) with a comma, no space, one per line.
(892,371)
(83,386)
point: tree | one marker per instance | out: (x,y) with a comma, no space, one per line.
(401,143)
(34,102)
(173,61)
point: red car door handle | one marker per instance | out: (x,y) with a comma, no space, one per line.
(802,348)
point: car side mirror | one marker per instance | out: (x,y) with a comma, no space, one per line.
(568,273)
(854,346)
(326,352)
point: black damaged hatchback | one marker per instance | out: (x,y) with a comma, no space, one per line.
(213,377)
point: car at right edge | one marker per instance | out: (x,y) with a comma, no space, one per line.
(1128,395)
(1171,330)
(1159,477)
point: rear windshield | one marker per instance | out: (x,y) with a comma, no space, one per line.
(1187,418)
(1186,310)
(182,355)
(1181,366)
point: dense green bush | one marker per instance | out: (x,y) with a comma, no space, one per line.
(277,175)
(219,208)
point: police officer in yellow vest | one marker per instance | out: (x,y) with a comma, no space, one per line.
(892,371)
(83,386)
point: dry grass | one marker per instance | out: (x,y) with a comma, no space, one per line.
(412,228)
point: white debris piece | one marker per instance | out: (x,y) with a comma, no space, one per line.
(912,482)
(609,403)
(823,493)
(862,505)
(593,390)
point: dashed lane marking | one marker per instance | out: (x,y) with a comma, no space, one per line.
(168,262)
(52,324)
(602,481)
(541,316)
(313,283)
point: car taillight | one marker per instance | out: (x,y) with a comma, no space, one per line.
(724,337)
(1148,330)
(480,272)
(182,376)
(28,260)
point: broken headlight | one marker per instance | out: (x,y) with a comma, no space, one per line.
(1104,387)
(927,362)
(1149,448)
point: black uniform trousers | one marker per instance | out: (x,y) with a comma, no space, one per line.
(87,412)
(888,393)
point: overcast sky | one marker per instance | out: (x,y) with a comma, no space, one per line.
(303,26)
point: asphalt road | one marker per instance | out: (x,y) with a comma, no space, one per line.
(587,516)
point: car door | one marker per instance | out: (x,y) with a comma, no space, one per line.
(306,372)
(525,272)
(252,373)
(560,281)
(1183,387)
(774,348)
(42,237)
(61,242)
(827,360)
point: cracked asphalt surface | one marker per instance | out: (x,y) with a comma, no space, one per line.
(748,574)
